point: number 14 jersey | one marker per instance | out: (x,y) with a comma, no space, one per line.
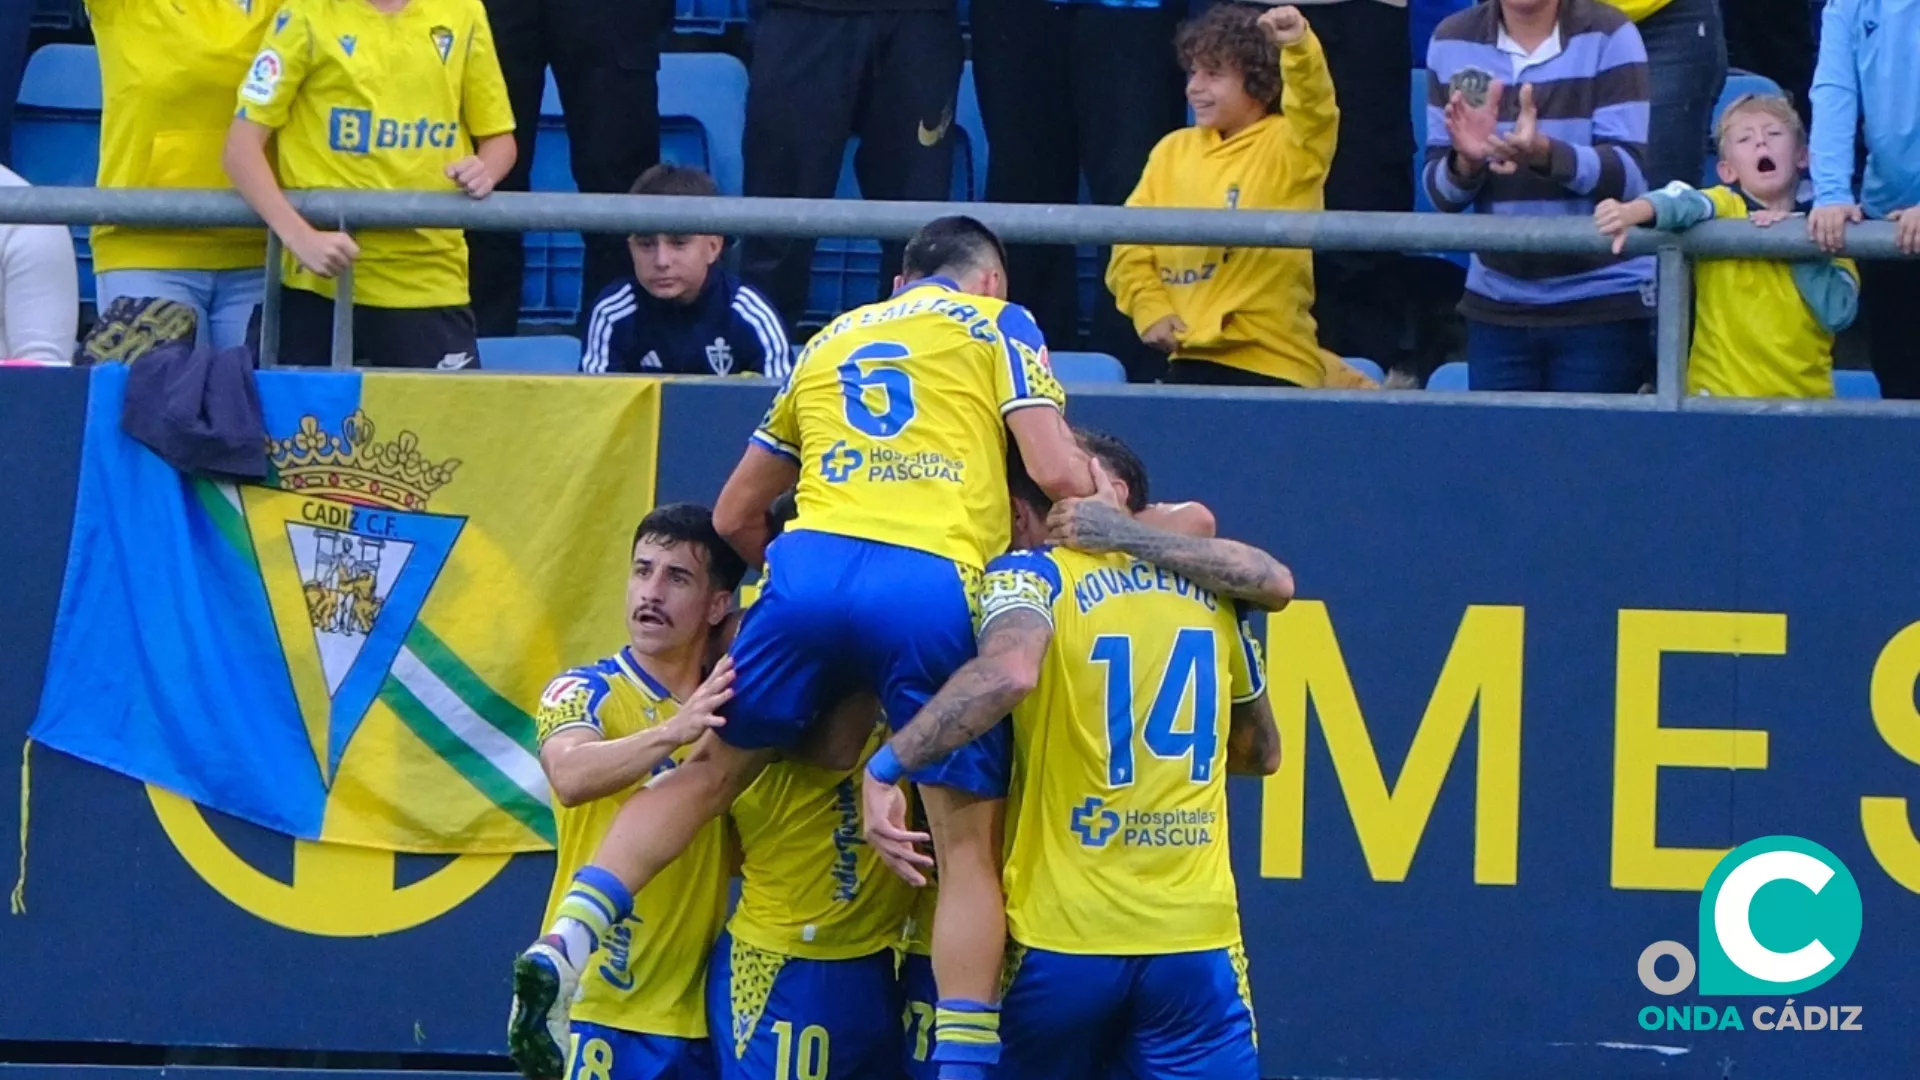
(895,414)
(1117,813)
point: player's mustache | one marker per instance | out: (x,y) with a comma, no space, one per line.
(654,610)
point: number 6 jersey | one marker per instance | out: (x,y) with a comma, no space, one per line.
(1117,813)
(895,415)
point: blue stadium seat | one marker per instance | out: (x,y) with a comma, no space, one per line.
(1738,83)
(1856,385)
(553,354)
(57,14)
(1451,376)
(1365,367)
(708,16)
(56,130)
(1086,367)
(703,118)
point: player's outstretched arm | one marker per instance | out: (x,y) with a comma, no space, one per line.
(1227,567)
(582,766)
(1253,739)
(740,514)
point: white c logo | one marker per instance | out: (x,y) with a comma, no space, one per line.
(1731,906)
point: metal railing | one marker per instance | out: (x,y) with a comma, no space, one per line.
(1018,223)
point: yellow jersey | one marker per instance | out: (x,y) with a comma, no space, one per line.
(1753,335)
(895,414)
(649,975)
(167,73)
(1249,308)
(810,886)
(1117,811)
(362,99)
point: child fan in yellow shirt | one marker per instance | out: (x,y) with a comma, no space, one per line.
(381,95)
(1762,328)
(1237,315)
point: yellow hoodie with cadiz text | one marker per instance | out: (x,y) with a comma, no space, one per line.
(1246,308)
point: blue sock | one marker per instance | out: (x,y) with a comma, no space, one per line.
(966,1038)
(596,901)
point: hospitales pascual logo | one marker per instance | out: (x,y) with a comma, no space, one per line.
(1779,916)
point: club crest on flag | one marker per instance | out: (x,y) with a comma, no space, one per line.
(348,554)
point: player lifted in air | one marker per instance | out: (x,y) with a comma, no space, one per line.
(604,730)
(895,423)
(1134,688)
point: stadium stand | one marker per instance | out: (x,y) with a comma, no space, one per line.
(1086,367)
(546,354)
(1451,376)
(56,130)
(1856,385)
(1366,367)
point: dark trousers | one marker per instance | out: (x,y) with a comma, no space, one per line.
(16,19)
(818,78)
(1360,300)
(1686,69)
(605,56)
(1067,90)
(1208,373)
(1889,295)
(1774,38)
(1600,358)
(439,338)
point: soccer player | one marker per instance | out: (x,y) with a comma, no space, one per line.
(802,983)
(895,423)
(1134,688)
(383,95)
(605,730)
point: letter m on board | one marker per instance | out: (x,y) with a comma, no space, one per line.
(349,129)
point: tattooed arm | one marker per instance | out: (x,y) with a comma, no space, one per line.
(1227,567)
(981,692)
(1253,740)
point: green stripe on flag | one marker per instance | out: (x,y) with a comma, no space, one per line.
(481,773)
(472,689)
(227,519)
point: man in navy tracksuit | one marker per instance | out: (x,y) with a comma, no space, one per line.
(681,313)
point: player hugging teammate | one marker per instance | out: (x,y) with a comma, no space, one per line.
(894,593)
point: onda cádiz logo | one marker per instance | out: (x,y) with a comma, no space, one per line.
(1779,915)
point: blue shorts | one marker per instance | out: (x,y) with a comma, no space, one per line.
(839,615)
(829,1019)
(598,1052)
(1181,1016)
(916,986)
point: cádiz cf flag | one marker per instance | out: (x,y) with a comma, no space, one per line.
(352,651)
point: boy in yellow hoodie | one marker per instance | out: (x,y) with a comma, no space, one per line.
(1264,135)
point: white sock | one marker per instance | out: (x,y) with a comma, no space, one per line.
(576,939)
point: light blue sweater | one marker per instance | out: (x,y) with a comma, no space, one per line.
(1869,61)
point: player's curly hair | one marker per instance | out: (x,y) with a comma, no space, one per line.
(1228,37)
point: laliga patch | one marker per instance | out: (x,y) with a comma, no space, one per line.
(562,688)
(263,78)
